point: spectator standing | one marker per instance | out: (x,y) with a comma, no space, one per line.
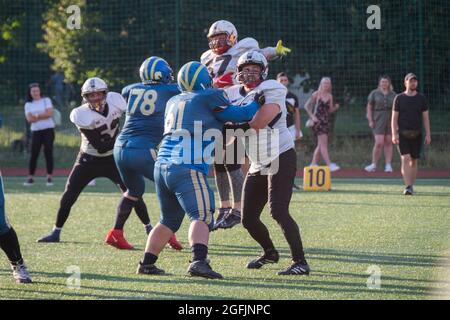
(379,116)
(39,112)
(319,107)
(410,112)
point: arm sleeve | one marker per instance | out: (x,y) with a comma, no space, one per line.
(236,113)
(371,98)
(276,95)
(219,104)
(126,92)
(270,53)
(102,143)
(395,104)
(48,103)
(424,104)
(296,101)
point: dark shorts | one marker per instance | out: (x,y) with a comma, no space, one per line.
(410,146)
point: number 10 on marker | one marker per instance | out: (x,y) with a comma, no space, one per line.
(316,179)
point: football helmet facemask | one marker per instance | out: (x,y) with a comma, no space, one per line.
(92,85)
(252,79)
(222,36)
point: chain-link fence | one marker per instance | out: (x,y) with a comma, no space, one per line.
(48,42)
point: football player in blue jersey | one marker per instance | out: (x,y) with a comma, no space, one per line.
(193,122)
(10,243)
(136,147)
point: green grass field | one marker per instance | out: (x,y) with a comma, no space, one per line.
(360,223)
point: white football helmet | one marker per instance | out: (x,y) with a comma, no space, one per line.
(252,57)
(94,85)
(222,27)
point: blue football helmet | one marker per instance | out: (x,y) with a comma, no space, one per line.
(155,69)
(194,76)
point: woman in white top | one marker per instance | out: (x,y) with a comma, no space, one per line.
(39,113)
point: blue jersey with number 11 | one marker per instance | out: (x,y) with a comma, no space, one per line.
(144,124)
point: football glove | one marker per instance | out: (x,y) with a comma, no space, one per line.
(280,50)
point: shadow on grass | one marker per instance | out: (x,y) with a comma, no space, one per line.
(360,204)
(339,255)
(405,259)
(293,284)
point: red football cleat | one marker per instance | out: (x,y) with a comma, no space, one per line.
(116,239)
(174,243)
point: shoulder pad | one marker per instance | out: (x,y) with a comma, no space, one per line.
(114,99)
(271,85)
(82,117)
(205,56)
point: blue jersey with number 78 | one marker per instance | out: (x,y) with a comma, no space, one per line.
(144,124)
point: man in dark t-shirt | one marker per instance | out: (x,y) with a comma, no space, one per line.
(410,112)
(293,112)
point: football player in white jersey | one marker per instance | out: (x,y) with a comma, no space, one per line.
(270,148)
(225,50)
(98,122)
(221,59)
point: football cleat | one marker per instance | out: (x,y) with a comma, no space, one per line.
(233,218)
(20,273)
(116,239)
(51,237)
(270,257)
(150,269)
(296,268)
(222,214)
(201,268)
(174,243)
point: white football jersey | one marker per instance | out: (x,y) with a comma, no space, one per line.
(266,145)
(219,65)
(86,118)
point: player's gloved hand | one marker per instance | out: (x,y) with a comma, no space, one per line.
(259,97)
(280,50)
(223,81)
